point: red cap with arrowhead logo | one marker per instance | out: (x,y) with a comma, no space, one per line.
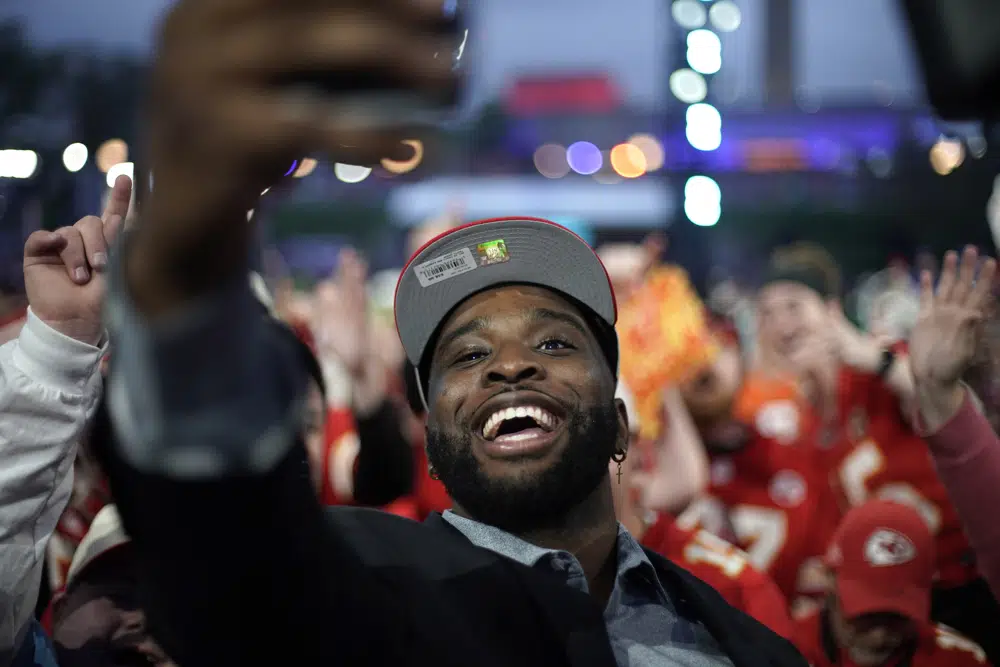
(883,556)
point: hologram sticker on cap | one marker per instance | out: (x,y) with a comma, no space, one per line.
(452,264)
(492,252)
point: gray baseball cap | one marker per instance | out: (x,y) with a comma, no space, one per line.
(468,259)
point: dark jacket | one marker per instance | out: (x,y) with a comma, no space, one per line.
(252,570)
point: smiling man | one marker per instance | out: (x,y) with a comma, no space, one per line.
(509,325)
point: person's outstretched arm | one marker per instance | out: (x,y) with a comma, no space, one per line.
(964,446)
(966,452)
(236,561)
(681,473)
(49,388)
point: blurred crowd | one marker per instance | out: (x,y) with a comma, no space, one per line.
(761,428)
(759,477)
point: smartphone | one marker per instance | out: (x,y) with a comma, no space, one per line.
(379,98)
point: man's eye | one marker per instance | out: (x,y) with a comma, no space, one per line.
(469,356)
(553,344)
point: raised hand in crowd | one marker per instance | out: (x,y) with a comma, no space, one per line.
(858,349)
(344,332)
(944,341)
(341,318)
(49,389)
(64,270)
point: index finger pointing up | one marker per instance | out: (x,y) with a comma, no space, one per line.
(119,199)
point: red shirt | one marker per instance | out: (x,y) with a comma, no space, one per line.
(723,567)
(938,646)
(877,454)
(774,491)
(340,460)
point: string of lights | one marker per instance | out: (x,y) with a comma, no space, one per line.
(701,21)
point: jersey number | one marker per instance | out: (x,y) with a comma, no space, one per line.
(953,642)
(761,531)
(711,550)
(864,463)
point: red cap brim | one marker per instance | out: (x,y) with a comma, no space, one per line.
(861,597)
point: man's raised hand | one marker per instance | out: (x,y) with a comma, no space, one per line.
(943,343)
(63,270)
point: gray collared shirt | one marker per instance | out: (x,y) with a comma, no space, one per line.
(643,624)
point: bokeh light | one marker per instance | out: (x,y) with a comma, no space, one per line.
(351,173)
(947,155)
(879,162)
(688,86)
(977,145)
(551,161)
(704,127)
(628,161)
(702,201)
(18,164)
(704,51)
(689,14)
(651,149)
(111,152)
(306,167)
(75,157)
(584,158)
(406,166)
(120,169)
(725,16)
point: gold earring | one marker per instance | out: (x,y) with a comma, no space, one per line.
(618,457)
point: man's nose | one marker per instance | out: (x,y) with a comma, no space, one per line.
(513,364)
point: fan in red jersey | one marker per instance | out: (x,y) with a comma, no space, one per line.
(768,492)
(713,560)
(878,611)
(854,392)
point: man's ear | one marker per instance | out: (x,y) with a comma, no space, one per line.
(623,430)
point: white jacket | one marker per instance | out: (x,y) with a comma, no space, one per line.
(49,388)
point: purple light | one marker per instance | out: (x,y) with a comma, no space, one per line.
(584,158)
(295,165)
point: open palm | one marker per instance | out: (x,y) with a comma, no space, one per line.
(943,342)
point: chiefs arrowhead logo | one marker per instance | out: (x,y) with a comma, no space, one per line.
(779,420)
(886,548)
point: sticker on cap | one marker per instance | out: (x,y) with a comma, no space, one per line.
(452,264)
(493,252)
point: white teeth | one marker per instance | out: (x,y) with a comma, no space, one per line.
(543,417)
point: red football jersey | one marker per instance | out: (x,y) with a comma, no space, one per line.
(340,459)
(773,492)
(938,646)
(878,455)
(723,567)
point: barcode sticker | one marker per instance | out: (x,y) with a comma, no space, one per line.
(453,264)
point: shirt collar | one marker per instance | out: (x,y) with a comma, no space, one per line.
(631,556)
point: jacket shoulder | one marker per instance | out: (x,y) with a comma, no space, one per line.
(384,540)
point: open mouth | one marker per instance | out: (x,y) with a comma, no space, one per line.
(520,423)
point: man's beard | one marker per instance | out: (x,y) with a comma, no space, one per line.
(536,501)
